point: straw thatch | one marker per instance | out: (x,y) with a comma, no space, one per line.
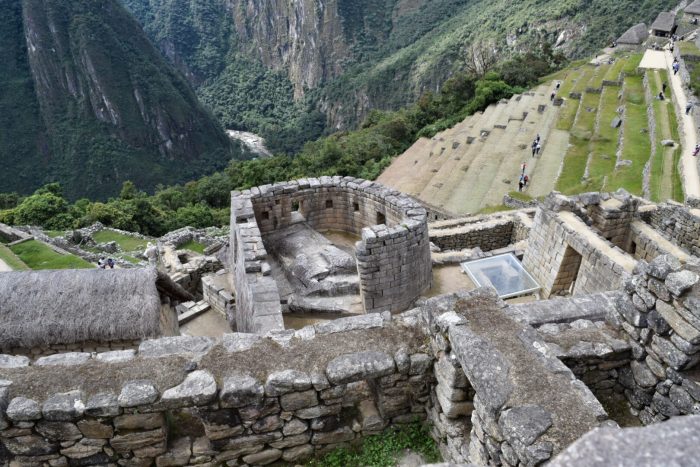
(665,22)
(634,35)
(71,306)
(693,8)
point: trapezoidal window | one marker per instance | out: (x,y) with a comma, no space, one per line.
(356,207)
(381,218)
(295,206)
(329,203)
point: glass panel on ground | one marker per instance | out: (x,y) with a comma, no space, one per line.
(502,272)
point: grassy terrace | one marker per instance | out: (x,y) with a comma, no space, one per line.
(665,182)
(636,147)
(37,255)
(126,242)
(604,143)
(193,246)
(600,75)
(11,259)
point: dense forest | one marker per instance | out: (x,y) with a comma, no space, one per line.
(363,153)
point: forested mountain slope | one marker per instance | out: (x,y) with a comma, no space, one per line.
(262,65)
(86,100)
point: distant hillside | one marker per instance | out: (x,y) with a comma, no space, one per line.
(86,100)
(261,65)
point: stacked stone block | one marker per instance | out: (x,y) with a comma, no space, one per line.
(248,416)
(680,224)
(216,295)
(660,313)
(393,257)
(485,232)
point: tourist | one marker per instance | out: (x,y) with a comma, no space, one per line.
(663,87)
(537,138)
(110,263)
(697,150)
(523,167)
(534,148)
(521,183)
(552,96)
(661,96)
(558,85)
(538,148)
(676,67)
(101,263)
(688,108)
(526,180)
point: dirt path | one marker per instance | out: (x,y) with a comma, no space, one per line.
(691,179)
(4,267)
(666,185)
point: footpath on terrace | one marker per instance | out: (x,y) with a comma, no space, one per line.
(691,180)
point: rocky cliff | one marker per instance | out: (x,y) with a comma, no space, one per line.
(89,102)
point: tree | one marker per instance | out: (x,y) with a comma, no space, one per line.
(129,191)
(480,58)
(41,208)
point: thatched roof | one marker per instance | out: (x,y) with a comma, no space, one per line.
(635,35)
(664,22)
(693,8)
(64,307)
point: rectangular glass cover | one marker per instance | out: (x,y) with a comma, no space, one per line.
(502,272)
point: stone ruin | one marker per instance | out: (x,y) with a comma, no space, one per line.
(563,380)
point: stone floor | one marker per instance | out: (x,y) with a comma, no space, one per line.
(212,324)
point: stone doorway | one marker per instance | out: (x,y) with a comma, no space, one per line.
(565,283)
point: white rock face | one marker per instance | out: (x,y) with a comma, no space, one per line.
(254,142)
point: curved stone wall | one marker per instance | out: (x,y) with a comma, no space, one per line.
(393,256)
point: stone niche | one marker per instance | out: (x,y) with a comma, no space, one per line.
(393,255)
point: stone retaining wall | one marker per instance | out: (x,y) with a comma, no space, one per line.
(215,294)
(680,224)
(196,410)
(393,256)
(485,232)
(660,313)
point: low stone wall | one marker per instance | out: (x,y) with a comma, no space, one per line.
(85,347)
(680,224)
(215,294)
(660,313)
(393,257)
(485,232)
(217,402)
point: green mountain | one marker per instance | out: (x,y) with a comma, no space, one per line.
(86,100)
(270,66)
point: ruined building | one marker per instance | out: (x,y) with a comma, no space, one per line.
(506,373)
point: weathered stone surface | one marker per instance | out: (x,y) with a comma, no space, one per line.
(370,418)
(178,454)
(29,446)
(318,411)
(450,373)
(294,427)
(240,342)
(358,366)
(220,424)
(488,374)
(403,361)
(95,429)
(13,361)
(102,405)
(336,436)
(135,393)
(368,321)
(116,356)
(283,382)
(453,409)
(268,406)
(677,323)
(664,405)
(263,457)
(85,448)
(23,409)
(240,390)
(525,424)
(58,431)
(199,388)
(661,266)
(679,282)
(643,375)
(626,308)
(63,359)
(196,346)
(290,441)
(420,363)
(266,424)
(298,453)
(132,441)
(669,353)
(681,399)
(139,421)
(66,407)
(299,400)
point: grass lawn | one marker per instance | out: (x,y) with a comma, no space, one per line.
(636,144)
(613,73)
(37,255)
(600,75)
(587,74)
(55,233)
(632,64)
(11,259)
(128,258)
(193,246)
(494,209)
(576,156)
(604,143)
(126,242)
